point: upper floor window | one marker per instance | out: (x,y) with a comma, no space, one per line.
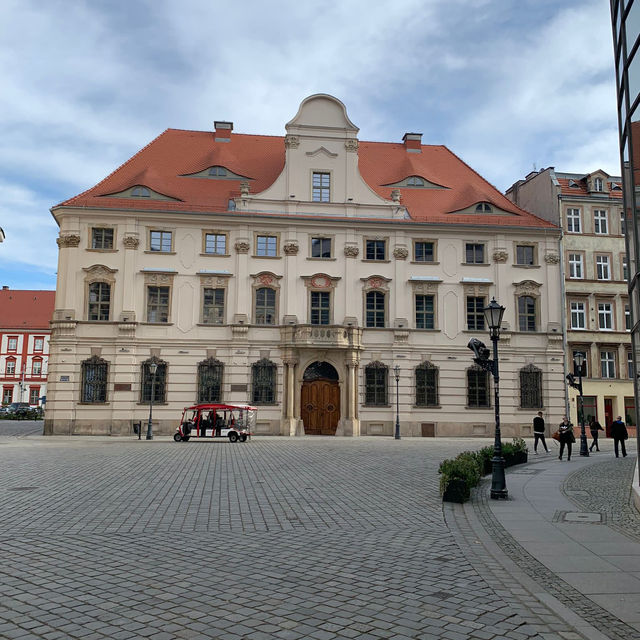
(375,309)
(210,380)
(574,222)
(527,313)
(140,192)
(525,255)
(576,266)
(530,387)
(625,268)
(474,253)
(627,317)
(101,238)
(600,221)
(426,385)
(38,344)
(584,369)
(10,368)
(608,364)
(598,184)
(484,207)
(415,181)
(158,304)
(36,366)
(320,307)
(321,187)
(605,316)
(375,250)
(375,384)
(425,311)
(99,301)
(12,344)
(153,385)
(477,387)
(320,247)
(263,382)
(578,315)
(265,306)
(215,243)
(160,241)
(423,251)
(213,306)
(93,374)
(603,267)
(267,246)
(475,313)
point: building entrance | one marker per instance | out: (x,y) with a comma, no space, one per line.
(320,400)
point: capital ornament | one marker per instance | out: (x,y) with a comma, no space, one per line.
(400,253)
(130,242)
(551,258)
(351,251)
(69,240)
(500,255)
(241,246)
(291,248)
(292,142)
(351,145)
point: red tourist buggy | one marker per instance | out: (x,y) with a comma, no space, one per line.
(215,420)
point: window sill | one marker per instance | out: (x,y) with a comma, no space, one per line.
(478,408)
(216,255)
(93,404)
(427,406)
(425,330)
(155,404)
(322,259)
(476,264)
(211,324)
(161,253)
(267,257)
(527,266)
(425,262)
(376,406)
(157,324)
(102,250)
(376,261)
(530,409)
(265,404)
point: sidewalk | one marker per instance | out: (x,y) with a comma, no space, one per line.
(570,536)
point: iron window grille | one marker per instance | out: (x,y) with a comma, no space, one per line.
(530,387)
(477,387)
(159,386)
(263,379)
(94,374)
(426,385)
(376,385)
(210,380)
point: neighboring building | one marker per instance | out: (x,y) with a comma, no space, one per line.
(295,273)
(626,37)
(590,210)
(24,344)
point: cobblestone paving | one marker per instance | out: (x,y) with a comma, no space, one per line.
(21,427)
(305,538)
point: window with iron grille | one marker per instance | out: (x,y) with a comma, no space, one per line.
(265,306)
(530,387)
(426,385)
(320,303)
(475,313)
(157,304)
(263,382)
(375,304)
(99,301)
(425,313)
(321,187)
(94,373)
(375,250)
(527,313)
(210,380)
(213,306)
(101,238)
(477,387)
(375,385)
(474,253)
(156,384)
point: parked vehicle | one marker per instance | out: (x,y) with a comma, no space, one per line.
(21,411)
(216,420)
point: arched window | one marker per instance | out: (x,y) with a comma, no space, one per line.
(530,387)
(210,380)
(263,382)
(477,387)
(94,372)
(526,313)
(426,385)
(375,309)
(218,172)
(376,384)
(140,192)
(157,383)
(415,181)
(99,301)
(484,207)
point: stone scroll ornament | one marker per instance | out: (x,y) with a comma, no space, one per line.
(69,240)
(351,251)
(400,253)
(291,248)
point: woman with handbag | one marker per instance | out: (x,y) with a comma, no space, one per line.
(565,432)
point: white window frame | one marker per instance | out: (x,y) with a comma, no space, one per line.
(574,220)
(603,267)
(605,316)
(598,184)
(600,222)
(576,266)
(608,364)
(578,315)
(623,223)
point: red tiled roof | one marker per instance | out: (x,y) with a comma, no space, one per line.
(21,309)
(580,188)
(163,166)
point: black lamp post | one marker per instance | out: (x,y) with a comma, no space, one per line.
(396,370)
(153,367)
(578,359)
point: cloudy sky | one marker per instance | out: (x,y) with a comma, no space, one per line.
(508,85)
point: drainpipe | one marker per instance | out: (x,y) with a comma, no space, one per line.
(563,314)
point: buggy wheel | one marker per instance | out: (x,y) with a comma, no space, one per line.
(177,437)
(233,437)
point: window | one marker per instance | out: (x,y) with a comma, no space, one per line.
(576,269)
(605,316)
(525,255)
(267,246)
(423,251)
(597,184)
(160,241)
(321,187)
(375,250)
(155,385)
(10,368)
(210,380)
(578,315)
(219,172)
(425,316)
(34,395)
(158,304)
(99,301)
(320,247)
(627,317)
(574,224)
(530,387)
(475,313)
(477,387)
(623,223)
(415,181)
(483,207)
(625,269)
(600,222)
(630,411)
(630,366)
(140,192)
(7,395)
(607,364)
(213,306)
(320,307)
(474,253)
(375,311)
(263,382)
(584,371)
(526,313)
(101,238)
(12,344)
(93,374)
(38,344)
(603,270)
(375,384)
(36,367)
(215,244)
(265,311)
(426,385)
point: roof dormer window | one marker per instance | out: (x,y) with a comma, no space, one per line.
(415,181)
(218,172)
(484,207)
(140,192)
(598,184)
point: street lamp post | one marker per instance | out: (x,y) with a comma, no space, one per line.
(153,367)
(396,370)
(578,360)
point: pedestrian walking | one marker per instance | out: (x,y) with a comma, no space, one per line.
(538,433)
(619,435)
(594,427)
(565,431)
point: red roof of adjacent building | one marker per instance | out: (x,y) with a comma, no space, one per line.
(164,166)
(573,187)
(21,309)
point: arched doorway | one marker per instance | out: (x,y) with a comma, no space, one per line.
(320,399)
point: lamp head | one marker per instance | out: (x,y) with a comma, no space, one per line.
(578,358)
(153,367)
(493,313)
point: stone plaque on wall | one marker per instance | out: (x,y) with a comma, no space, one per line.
(122,386)
(238,387)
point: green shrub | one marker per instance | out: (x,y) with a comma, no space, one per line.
(464,467)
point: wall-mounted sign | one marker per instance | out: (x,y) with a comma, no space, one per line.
(64,378)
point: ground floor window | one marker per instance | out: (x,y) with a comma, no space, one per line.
(590,408)
(375,384)
(477,387)
(530,387)
(34,395)
(157,384)
(210,380)
(426,385)
(630,411)
(94,380)
(263,382)
(7,395)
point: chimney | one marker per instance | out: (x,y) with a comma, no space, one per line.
(412,142)
(223,131)
(5,287)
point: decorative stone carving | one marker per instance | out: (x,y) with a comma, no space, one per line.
(244,188)
(500,255)
(423,287)
(527,288)
(158,278)
(214,281)
(241,246)
(551,258)
(266,279)
(130,242)
(476,289)
(69,240)
(351,251)
(376,282)
(320,281)
(99,272)
(291,142)
(395,195)
(400,253)
(351,145)
(291,248)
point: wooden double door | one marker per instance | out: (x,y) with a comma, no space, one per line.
(320,407)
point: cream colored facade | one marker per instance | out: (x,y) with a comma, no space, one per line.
(590,209)
(320,138)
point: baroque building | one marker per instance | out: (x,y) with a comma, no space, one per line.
(589,208)
(296,273)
